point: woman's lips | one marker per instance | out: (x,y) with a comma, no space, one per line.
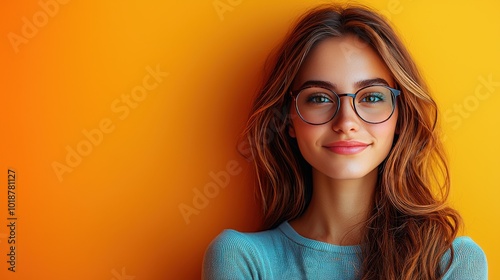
(347,147)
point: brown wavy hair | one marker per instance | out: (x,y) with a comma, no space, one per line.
(410,226)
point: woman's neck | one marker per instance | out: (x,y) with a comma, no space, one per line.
(338,209)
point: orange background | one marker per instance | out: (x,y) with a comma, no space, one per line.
(115,212)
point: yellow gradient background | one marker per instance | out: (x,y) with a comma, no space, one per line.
(115,213)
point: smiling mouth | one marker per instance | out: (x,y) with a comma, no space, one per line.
(347,147)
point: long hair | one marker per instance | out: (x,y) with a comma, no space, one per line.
(410,226)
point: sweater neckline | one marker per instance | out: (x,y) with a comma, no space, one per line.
(294,236)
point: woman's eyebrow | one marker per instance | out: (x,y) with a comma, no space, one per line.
(358,84)
(319,83)
(370,82)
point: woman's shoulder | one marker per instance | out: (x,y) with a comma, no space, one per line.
(230,239)
(469,260)
(239,255)
(465,245)
(466,250)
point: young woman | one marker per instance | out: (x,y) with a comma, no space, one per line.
(351,171)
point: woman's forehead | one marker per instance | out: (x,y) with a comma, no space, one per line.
(342,61)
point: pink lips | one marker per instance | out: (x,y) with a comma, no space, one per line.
(347,147)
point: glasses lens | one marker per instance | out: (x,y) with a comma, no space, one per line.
(374,104)
(316,105)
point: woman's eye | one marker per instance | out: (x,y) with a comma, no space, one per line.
(319,99)
(373,98)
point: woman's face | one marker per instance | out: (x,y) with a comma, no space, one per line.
(345,147)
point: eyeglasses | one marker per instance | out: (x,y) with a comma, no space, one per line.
(373,104)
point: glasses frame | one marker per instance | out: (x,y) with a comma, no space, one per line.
(394,93)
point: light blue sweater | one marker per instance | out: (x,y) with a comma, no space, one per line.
(282,253)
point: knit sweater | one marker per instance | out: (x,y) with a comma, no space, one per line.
(282,253)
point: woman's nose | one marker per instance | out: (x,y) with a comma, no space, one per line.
(346,120)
